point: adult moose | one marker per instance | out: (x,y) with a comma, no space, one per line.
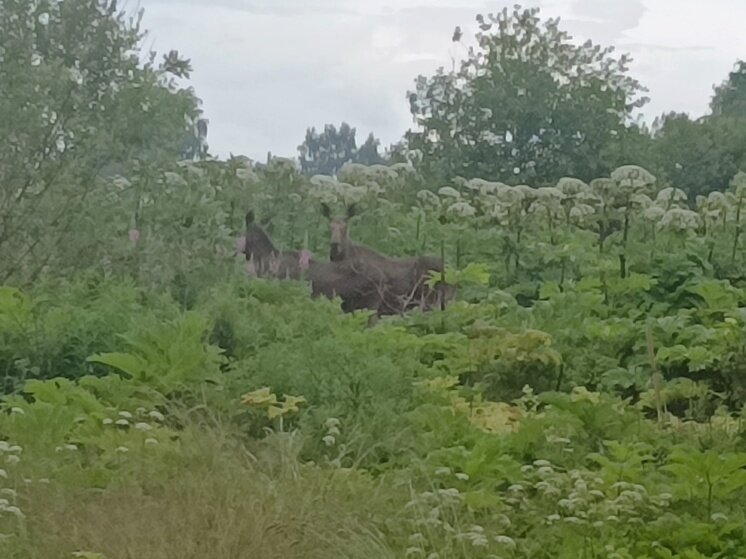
(341,246)
(267,260)
(406,278)
(358,285)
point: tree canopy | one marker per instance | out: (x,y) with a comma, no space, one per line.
(76,98)
(730,97)
(526,103)
(704,154)
(325,153)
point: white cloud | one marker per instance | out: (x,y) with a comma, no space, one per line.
(682,48)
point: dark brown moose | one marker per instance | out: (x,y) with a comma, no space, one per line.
(341,247)
(406,278)
(359,285)
(266,260)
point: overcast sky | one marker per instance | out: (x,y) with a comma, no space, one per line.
(268,69)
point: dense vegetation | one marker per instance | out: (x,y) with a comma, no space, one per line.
(582,397)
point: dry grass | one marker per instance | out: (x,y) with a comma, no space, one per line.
(220,506)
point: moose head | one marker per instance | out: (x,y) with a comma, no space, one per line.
(339,229)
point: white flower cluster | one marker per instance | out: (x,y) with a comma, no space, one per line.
(11,455)
(329,190)
(332,431)
(679,219)
(632,177)
(144,421)
(437,513)
(582,498)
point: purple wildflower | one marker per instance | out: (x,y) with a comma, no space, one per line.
(241,244)
(304,260)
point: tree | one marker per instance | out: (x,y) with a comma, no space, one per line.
(368,154)
(697,156)
(194,146)
(326,153)
(76,100)
(729,99)
(702,155)
(526,103)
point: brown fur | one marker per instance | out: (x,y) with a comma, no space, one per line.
(268,260)
(341,246)
(360,286)
(405,283)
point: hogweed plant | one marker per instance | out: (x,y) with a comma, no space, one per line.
(11,482)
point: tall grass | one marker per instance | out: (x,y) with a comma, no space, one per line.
(220,502)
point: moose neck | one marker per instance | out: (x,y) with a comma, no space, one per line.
(258,243)
(341,249)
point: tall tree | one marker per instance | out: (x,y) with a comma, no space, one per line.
(368,154)
(326,153)
(694,155)
(704,154)
(729,99)
(526,103)
(76,99)
(194,146)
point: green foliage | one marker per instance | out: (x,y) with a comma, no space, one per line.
(168,357)
(527,103)
(44,336)
(540,476)
(698,156)
(582,396)
(78,106)
(709,476)
(328,152)
(730,97)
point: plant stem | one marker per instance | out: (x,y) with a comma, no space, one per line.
(738,231)
(654,375)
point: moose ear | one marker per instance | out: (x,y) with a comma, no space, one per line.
(351,211)
(326,211)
